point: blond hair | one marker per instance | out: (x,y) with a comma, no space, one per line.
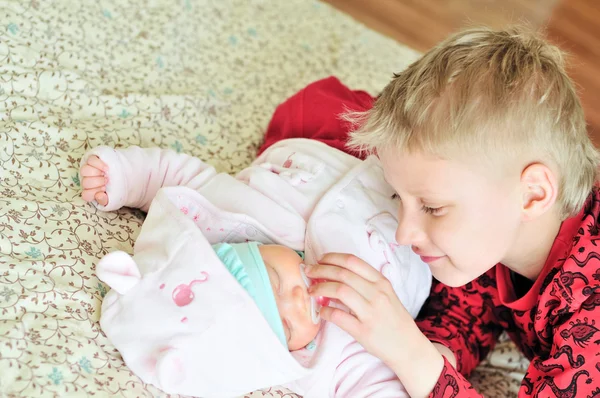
(500,94)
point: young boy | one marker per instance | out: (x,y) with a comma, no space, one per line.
(484,141)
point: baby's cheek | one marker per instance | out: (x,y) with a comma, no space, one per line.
(311,330)
(315,329)
(304,332)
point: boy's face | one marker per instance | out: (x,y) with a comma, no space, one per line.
(293,300)
(460,219)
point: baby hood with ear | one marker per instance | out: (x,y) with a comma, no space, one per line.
(180,320)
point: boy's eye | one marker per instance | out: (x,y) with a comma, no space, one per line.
(432,210)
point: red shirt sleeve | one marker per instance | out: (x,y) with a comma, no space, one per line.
(462,319)
(452,384)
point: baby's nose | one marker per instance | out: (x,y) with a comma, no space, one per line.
(300,298)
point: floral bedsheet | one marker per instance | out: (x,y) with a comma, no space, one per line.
(198,76)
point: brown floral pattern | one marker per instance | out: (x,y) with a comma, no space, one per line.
(198,76)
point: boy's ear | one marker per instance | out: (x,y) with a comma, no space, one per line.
(539,188)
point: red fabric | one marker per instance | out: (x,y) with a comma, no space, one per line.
(452,384)
(556,324)
(314,112)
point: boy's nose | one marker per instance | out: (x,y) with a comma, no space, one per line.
(409,231)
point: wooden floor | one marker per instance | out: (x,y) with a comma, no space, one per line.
(572,24)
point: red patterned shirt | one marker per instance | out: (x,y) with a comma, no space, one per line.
(556,323)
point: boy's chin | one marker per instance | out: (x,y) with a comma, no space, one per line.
(454,277)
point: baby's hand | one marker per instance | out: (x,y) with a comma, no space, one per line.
(94,181)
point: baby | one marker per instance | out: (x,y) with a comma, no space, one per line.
(221,235)
(272,274)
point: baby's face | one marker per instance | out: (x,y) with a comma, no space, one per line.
(293,301)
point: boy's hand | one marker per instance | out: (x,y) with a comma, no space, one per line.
(377,320)
(94,180)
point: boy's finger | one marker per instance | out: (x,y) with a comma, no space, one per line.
(342,275)
(97,163)
(102,198)
(344,320)
(344,293)
(90,171)
(352,263)
(93,182)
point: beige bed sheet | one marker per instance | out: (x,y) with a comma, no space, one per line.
(199,76)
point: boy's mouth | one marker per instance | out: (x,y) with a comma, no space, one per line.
(430,259)
(425,258)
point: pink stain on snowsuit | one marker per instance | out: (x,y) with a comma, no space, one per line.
(288,163)
(183,294)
